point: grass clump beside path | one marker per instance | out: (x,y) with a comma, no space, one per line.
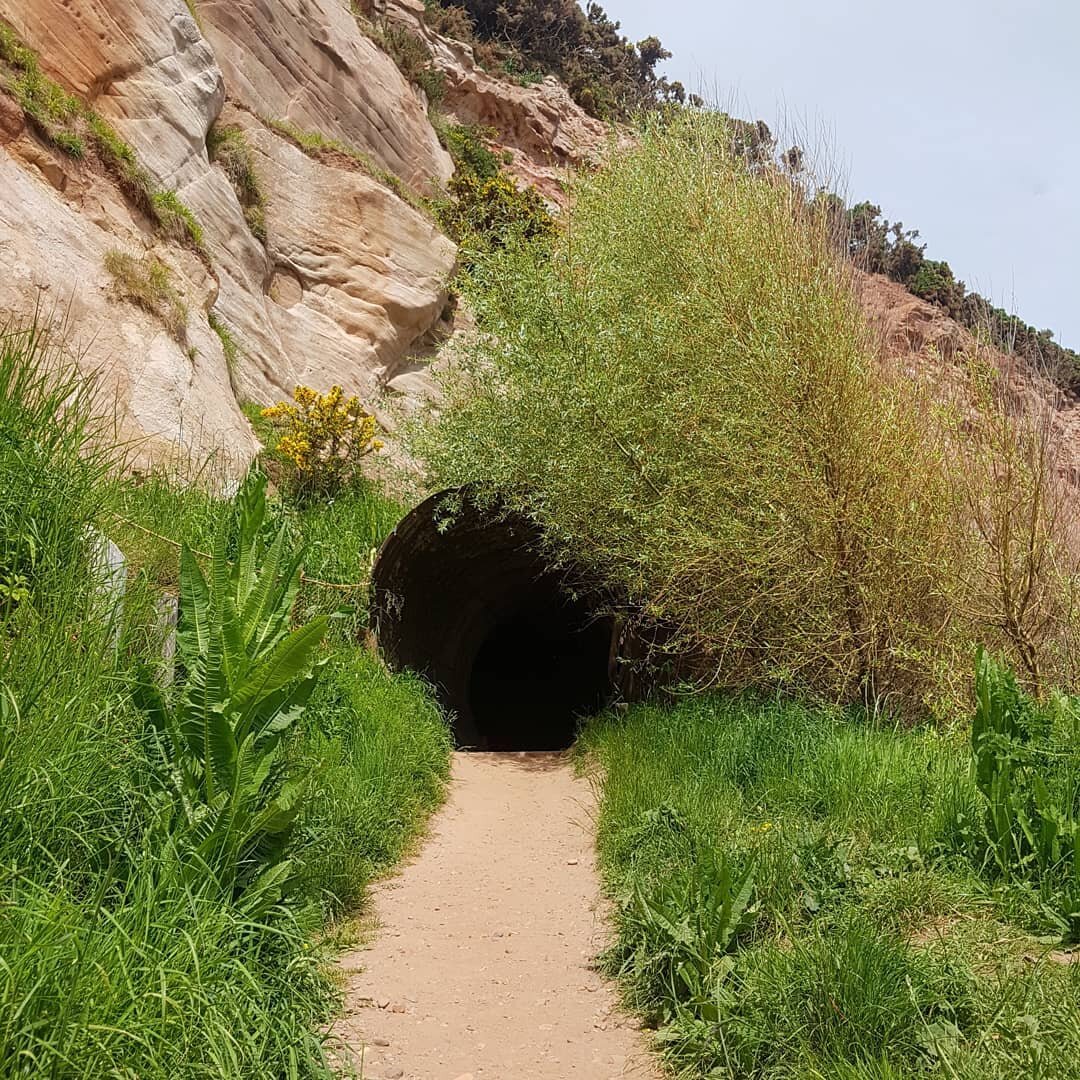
(801,893)
(128,947)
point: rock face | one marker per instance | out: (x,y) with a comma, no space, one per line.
(357,275)
(143,64)
(305,62)
(57,221)
(349,285)
(930,346)
(546,133)
(908,327)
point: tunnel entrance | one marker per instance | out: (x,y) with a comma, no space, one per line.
(466,600)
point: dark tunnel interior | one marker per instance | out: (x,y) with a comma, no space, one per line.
(551,663)
(515,659)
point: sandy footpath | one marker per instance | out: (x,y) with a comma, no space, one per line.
(481,965)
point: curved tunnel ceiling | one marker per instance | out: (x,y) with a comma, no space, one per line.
(466,600)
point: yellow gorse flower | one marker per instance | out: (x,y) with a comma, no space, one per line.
(322,437)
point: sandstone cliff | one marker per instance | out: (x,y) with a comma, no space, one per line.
(344,278)
(346,281)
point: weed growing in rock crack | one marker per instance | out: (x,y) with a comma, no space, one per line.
(120,160)
(177,220)
(409,52)
(230,346)
(229,148)
(147,283)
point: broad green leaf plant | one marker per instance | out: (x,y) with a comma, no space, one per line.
(1023,756)
(228,806)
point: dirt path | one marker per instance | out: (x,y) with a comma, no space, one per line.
(480,967)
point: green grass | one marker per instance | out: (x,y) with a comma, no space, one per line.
(875,940)
(147,283)
(230,149)
(229,345)
(120,160)
(111,963)
(177,220)
(340,536)
(384,747)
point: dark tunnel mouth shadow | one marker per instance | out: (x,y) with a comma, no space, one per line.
(516,660)
(536,675)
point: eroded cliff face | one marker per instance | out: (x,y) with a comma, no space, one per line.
(347,281)
(930,347)
(349,285)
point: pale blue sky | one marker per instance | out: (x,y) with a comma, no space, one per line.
(960,118)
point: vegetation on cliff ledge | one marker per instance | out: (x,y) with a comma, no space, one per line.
(607,75)
(76,130)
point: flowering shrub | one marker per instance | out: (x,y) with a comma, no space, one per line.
(322,438)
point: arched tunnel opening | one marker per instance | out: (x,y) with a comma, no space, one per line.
(466,599)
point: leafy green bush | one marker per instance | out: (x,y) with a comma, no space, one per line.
(484,208)
(468,146)
(484,214)
(320,440)
(684,396)
(452,22)
(1027,767)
